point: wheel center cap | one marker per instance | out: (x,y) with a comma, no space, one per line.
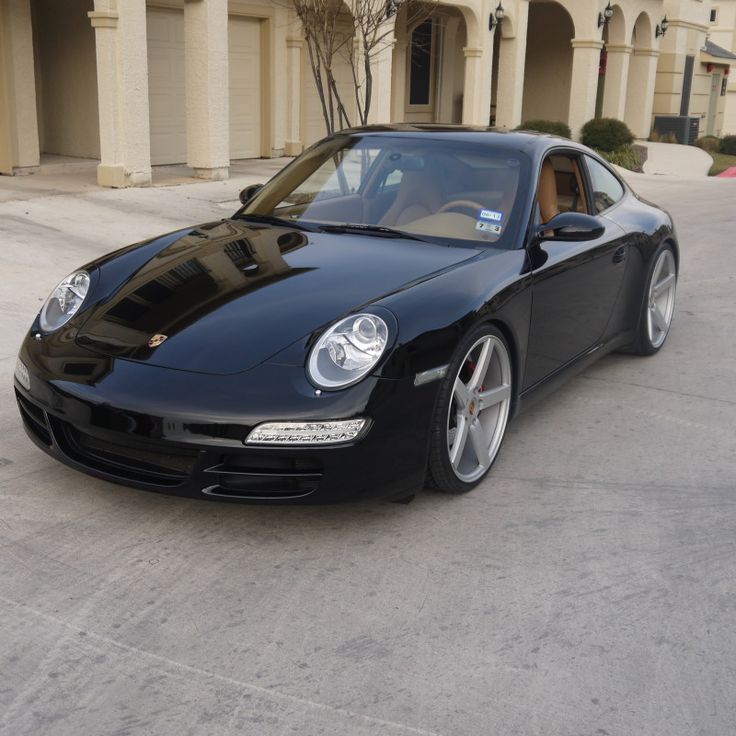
(472,407)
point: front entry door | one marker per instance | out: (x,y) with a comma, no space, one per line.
(715,93)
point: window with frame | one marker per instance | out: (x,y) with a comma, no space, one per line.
(607,189)
(420,74)
(714,15)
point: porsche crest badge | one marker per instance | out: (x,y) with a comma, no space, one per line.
(156,340)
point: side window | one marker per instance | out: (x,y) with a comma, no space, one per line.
(560,186)
(607,189)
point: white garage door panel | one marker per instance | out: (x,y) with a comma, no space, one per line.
(244,38)
(166,86)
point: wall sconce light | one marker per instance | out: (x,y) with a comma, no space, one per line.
(496,17)
(392,7)
(605,16)
(661,29)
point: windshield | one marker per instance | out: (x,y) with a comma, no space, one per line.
(443,191)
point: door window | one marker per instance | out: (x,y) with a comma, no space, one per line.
(560,186)
(607,189)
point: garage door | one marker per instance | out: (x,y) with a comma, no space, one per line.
(166,86)
(244,39)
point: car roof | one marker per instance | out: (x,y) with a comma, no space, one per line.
(532,142)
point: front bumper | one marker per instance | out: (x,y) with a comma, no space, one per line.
(182,433)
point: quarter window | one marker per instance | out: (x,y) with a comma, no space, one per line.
(607,189)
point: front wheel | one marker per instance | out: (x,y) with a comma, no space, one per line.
(472,412)
(659,303)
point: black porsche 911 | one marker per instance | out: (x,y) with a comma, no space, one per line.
(365,325)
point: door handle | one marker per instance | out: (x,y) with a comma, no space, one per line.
(620,255)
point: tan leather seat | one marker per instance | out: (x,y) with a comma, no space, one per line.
(419,195)
(547,192)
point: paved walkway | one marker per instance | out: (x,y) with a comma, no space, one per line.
(76,176)
(671,159)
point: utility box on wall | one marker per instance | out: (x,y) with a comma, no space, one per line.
(686,128)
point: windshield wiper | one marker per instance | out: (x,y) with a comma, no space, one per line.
(357,228)
(273,220)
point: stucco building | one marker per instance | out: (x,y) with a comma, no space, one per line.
(136,83)
(722,32)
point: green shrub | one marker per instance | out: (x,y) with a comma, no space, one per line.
(728,145)
(606,134)
(627,157)
(708,143)
(547,126)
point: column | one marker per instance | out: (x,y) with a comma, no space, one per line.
(640,97)
(445,104)
(19,125)
(398,89)
(617,78)
(584,82)
(294,145)
(511,67)
(382,70)
(122,89)
(477,87)
(207,91)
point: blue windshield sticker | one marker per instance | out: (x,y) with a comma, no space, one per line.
(491,215)
(493,228)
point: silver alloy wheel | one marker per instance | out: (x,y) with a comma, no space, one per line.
(661,304)
(479,409)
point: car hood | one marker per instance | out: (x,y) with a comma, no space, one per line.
(226,296)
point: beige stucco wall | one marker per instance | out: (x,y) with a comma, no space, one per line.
(6,119)
(723,33)
(548,64)
(558,46)
(66,78)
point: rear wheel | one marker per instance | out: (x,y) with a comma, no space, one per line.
(659,304)
(472,412)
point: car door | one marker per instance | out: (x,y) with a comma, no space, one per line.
(575,285)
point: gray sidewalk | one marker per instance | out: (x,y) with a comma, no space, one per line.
(671,159)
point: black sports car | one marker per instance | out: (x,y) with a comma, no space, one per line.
(366,324)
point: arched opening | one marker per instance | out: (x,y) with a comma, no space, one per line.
(549,55)
(641,78)
(429,67)
(66,80)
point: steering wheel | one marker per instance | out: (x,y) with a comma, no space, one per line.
(462,204)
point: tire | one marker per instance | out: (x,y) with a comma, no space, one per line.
(475,403)
(658,302)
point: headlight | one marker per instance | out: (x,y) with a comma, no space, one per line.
(65,301)
(347,351)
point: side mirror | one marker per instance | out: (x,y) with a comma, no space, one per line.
(249,192)
(571,227)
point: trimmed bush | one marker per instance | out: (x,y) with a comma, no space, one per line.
(656,137)
(709,143)
(728,145)
(606,134)
(554,127)
(627,157)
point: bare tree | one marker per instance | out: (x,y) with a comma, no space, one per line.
(357,34)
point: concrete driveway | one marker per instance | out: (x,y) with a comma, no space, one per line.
(587,587)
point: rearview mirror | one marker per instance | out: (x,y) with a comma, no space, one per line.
(249,192)
(571,226)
